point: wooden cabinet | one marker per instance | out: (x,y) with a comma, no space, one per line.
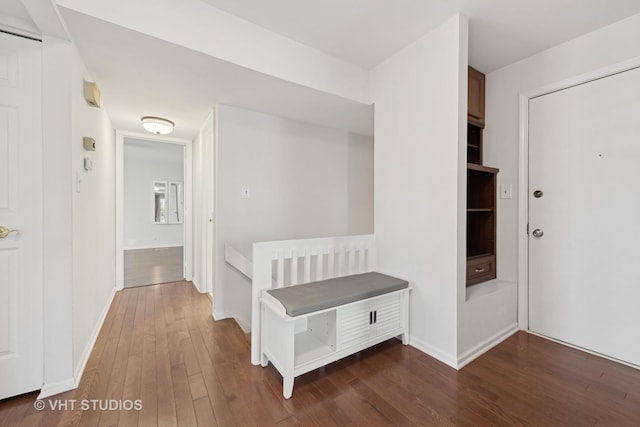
(474,144)
(475,100)
(481,191)
(481,223)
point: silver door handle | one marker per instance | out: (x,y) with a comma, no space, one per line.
(4,231)
(538,233)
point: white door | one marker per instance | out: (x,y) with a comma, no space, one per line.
(584,156)
(208,198)
(21,354)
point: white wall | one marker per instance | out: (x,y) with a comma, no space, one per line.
(417,137)
(304,181)
(93,217)
(144,163)
(58,222)
(599,49)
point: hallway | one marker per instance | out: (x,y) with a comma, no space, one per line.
(160,348)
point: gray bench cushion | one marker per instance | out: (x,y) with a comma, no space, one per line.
(315,296)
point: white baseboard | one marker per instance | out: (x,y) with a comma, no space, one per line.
(157,246)
(585,350)
(92,341)
(219,315)
(52,389)
(486,345)
(244,325)
(433,352)
(196,284)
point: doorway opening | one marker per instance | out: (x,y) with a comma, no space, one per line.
(153,212)
(153,223)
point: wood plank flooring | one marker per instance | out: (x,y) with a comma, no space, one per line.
(152,266)
(159,345)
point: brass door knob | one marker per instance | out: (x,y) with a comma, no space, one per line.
(4,231)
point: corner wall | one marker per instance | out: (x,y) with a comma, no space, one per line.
(304,181)
(57,60)
(417,135)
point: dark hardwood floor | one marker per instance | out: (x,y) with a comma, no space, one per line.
(159,345)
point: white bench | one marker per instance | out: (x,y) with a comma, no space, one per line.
(306,326)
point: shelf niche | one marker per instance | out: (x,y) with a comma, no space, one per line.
(481,191)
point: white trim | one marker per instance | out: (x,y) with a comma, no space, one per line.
(92,340)
(19,27)
(219,315)
(217,288)
(434,352)
(196,284)
(73,383)
(244,325)
(188,190)
(52,389)
(523,145)
(523,215)
(133,248)
(187,264)
(486,345)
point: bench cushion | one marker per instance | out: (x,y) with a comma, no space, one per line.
(315,296)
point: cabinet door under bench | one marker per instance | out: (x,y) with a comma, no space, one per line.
(366,320)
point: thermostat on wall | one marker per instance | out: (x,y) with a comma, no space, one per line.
(88,143)
(91,94)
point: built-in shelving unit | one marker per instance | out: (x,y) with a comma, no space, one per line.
(481,191)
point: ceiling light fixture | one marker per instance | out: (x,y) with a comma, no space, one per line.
(157,125)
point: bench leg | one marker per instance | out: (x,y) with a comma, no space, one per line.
(287,387)
(264,360)
(405,338)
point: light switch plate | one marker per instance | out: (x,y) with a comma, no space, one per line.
(506,191)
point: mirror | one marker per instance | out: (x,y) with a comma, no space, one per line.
(160,202)
(168,205)
(176,207)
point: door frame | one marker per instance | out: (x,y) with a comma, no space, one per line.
(188,193)
(523,174)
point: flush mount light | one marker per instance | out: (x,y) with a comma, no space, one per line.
(157,125)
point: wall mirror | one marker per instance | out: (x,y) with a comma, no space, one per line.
(168,207)
(160,202)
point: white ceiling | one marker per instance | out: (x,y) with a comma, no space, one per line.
(14,8)
(140,76)
(14,14)
(365,32)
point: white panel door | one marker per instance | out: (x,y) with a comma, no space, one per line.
(21,353)
(584,156)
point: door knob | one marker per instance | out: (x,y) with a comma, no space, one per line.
(538,233)
(4,231)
